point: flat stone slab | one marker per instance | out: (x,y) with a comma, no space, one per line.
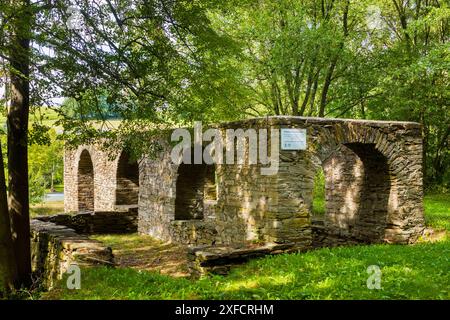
(97,221)
(219,259)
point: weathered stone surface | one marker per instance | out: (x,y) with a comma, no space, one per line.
(373,188)
(55,247)
(96,181)
(97,222)
(219,259)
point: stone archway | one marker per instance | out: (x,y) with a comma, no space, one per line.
(195,184)
(85,182)
(370,222)
(127,178)
(357,191)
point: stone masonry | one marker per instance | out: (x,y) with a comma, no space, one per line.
(373,188)
(55,247)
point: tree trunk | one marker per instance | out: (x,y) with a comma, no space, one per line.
(326,86)
(17,140)
(8,267)
(329,75)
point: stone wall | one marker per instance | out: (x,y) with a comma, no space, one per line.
(127,190)
(96,222)
(373,178)
(85,178)
(114,184)
(54,248)
(191,189)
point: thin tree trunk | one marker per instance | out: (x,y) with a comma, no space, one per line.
(313,97)
(8,267)
(52,187)
(326,86)
(17,141)
(308,89)
(329,75)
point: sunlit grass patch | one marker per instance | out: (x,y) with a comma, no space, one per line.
(47,208)
(437,211)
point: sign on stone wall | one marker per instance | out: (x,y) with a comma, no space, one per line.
(293,139)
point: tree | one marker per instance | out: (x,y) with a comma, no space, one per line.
(148,57)
(382,59)
(18,136)
(45,160)
(414,83)
(8,265)
(292,51)
(16,28)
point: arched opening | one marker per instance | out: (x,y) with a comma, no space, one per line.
(371,221)
(350,197)
(356,188)
(127,188)
(196,184)
(85,182)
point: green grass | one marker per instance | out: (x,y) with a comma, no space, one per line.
(57,188)
(318,206)
(419,271)
(47,115)
(408,272)
(46,208)
(437,211)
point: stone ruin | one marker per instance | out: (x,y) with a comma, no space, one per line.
(373,187)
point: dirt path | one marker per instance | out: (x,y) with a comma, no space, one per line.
(145,253)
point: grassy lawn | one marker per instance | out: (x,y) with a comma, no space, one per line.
(46,208)
(437,211)
(47,115)
(419,271)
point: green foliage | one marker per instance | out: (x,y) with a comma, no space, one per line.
(417,271)
(216,61)
(45,162)
(382,59)
(45,166)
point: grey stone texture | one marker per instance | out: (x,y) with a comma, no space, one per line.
(373,188)
(219,259)
(97,222)
(59,240)
(55,247)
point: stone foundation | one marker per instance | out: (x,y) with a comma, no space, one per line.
(54,248)
(96,222)
(57,241)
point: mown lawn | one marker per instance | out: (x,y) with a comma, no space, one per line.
(437,211)
(46,208)
(419,271)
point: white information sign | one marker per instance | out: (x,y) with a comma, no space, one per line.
(293,139)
